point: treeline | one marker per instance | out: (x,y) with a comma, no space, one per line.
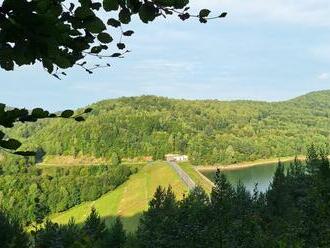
(293,212)
(93,233)
(209,132)
(56,189)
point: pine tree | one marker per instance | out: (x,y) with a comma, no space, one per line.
(276,195)
(193,219)
(158,226)
(222,190)
(312,159)
(117,235)
(94,227)
(71,234)
(221,202)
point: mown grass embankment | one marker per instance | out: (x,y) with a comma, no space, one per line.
(199,179)
(130,199)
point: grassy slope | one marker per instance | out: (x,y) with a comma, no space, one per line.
(130,199)
(195,176)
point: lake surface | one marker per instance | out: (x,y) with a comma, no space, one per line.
(261,174)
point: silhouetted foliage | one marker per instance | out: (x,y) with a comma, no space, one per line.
(92,234)
(116,236)
(61,34)
(294,212)
(10,116)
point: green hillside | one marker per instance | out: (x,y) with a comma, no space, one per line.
(130,199)
(209,131)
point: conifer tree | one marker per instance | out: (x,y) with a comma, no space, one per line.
(117,235)
(94,227)
(158,225)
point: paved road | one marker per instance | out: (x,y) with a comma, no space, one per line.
(183,175)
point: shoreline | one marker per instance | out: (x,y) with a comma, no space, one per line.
(244,165)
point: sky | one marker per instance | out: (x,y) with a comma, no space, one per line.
(268,50)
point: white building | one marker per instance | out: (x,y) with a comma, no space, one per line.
(176,158)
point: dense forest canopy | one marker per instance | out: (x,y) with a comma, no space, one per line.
(209,131)
(293,212)
(56,188)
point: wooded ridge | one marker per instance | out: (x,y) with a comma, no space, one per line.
(209,131)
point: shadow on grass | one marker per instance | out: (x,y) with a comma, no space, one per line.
(130,222)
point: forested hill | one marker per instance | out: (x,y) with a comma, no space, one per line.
(209,131)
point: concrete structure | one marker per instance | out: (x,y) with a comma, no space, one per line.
(186,179)
(176,158)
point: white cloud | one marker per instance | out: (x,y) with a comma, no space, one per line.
(323,76)
(306,12)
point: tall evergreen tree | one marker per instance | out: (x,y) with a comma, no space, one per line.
(158,226)
(221,202)
(116,236)
(94,228)
(193,220)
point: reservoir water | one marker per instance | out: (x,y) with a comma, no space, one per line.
(260,174)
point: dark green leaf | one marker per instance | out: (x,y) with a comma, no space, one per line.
(125,16)
(67,113)
(202,20)
(25,154)
(39,113)
(180,4)
(83,12)
(88,110)
(71,7)
(109,5)
(7,65)
(104,38)
(128,33)
(96,6)
(204,13)
(115,55)
(95,25)
(56,76)
(79,118)
(10,144)
(121,46)
(223,15)
(113,22)
(96,49)
(147,12)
